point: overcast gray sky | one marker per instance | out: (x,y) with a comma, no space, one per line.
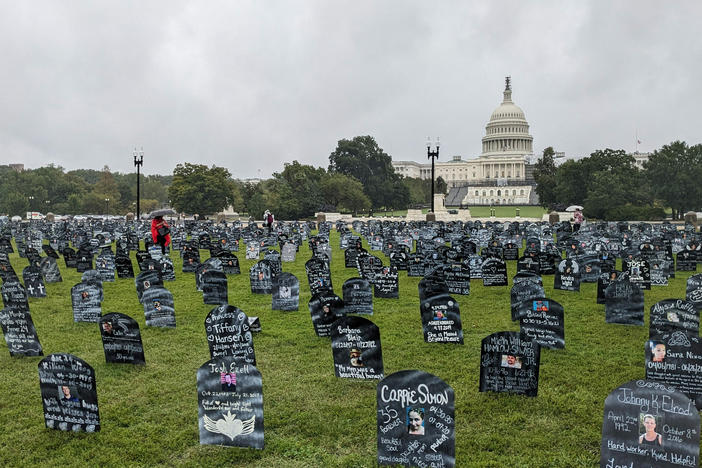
(250,85)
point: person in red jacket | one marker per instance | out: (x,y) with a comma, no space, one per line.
(160,232)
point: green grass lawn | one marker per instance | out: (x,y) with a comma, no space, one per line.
(311,418)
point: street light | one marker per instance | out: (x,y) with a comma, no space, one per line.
(432,155)
(107,206)
(138,162)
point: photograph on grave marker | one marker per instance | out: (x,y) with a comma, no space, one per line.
(229,334)
(159,309)
(415,419)
(121,339)
(509,363)
(286,292)
(50,270)
(649,424)
(19,332)
(230,404)
(356,349)
(441,320)
(68,393)
(542,320)
(325,308)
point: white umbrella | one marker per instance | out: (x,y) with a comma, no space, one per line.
(162,212)
(574,208)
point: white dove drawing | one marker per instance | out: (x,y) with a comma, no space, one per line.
(229,425)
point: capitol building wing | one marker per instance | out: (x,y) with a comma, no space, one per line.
(500,175)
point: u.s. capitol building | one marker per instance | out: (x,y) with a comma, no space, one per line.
(500,175)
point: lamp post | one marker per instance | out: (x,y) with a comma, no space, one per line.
(138,162)
(432,155)
(107,206)
(31,203)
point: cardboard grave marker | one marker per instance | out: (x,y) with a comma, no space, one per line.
(358,296)
(121,339)
(432,285)
(567,276)
(509,363)
(441,320)
(33,282)
(676,359)
(325,308)
(50,270)
(415,265)
(521,295)
(105,266)
(191,259)
(386,283)
(542,319)
(68,393)
(356,349)
(511,251)
(624,302)
(350,256)
(639,272)
(252,251)
(230,264)
(590,270)
(475,263)
(659,272)
(318,275)
(124,267)
(230,404)
(648,424)
(214,287)
(273,256)
(693,290)
(86,299)
(457,278)
(415,417)
(494,272)
(145,280)
(529,262)
(159,309)
(686,261)
(229,334)
(368,266)
(286,292)
(165,266)
(671,315)
(261,277)
(20,335)
(84,260)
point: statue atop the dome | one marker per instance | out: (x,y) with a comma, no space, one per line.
(508,84)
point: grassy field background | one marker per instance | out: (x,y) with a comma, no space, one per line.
(311,418)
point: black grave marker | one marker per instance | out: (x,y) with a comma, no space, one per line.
(441,320)
(286,292)
(356,349)
(121,339)
(509,362)
(229,334)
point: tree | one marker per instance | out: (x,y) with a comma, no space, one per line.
(295,193)
(674,173)
(545,177)
(199,189)
(344,193)
(363,159)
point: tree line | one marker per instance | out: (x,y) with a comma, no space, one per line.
(610,186)
(359,178)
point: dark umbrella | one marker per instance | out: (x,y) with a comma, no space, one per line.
(162,212)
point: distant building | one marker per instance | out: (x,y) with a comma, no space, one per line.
(500,175)
(640,158)
(17,167)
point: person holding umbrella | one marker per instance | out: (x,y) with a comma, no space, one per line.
(160,230)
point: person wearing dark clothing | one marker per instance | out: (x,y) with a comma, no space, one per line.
(160,232)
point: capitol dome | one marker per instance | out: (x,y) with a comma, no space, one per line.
(507,132)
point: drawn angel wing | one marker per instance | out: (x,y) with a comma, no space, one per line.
(210,425)
(248,426)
